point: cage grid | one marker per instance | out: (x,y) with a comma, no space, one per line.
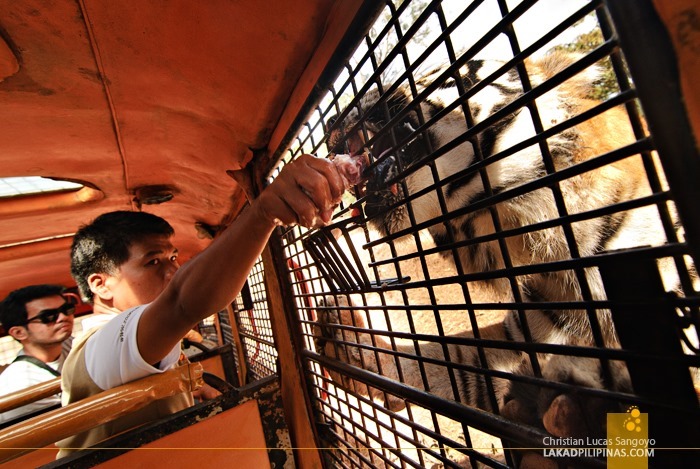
(208,329)
(409,363)
(251,312)
(227,334)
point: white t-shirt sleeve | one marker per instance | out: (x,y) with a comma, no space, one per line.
(112,356)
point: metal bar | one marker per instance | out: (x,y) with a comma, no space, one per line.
(653,64)
(561,175)
(538,382)
(31,394)
(668,250)
(528,97)
(523,435)
(360,25)
(424,430)
(258,339)
(568,219)
(101,408)
(368,402)
(645,322)
(296,402)
(555,349)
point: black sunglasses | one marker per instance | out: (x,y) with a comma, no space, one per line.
(48,316)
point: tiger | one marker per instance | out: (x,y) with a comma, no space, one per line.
(430,157)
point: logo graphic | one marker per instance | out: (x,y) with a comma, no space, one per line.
(633,423)
(629,446)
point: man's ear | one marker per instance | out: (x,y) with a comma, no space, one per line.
(98,286)
(19,333)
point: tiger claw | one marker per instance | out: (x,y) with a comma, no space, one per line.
(564,418)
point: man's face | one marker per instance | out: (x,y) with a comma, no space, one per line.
(53,332)
(152,263)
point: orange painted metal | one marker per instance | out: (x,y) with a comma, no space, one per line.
(46,203)
(682,20)
(29,250)
(128,94)
(233,438)
(8,61)
(36,458)
(26,251)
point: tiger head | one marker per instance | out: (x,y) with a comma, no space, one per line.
(385,130)
(423,151)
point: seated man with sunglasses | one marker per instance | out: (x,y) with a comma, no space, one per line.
(41,319)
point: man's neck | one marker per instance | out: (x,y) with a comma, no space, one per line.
(101,308)
(45,353)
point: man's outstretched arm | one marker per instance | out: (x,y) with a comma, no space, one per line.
(304,193)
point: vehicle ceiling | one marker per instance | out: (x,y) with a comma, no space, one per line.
(125,94)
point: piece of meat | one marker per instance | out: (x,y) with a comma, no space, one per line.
(351,168)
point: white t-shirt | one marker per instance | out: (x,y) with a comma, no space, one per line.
(112,356)
(97,320)
(22,374)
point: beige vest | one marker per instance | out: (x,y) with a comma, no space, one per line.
(76,384)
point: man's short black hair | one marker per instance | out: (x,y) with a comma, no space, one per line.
(13,310)
(103,245)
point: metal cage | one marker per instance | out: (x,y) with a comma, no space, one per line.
(397,332)
(251,313)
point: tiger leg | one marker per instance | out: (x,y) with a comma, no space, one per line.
(357,348)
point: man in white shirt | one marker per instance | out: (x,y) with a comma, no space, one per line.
(41,319)
(126,264)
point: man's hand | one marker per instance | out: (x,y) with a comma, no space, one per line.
(305,193)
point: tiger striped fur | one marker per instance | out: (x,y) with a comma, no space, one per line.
(421,172)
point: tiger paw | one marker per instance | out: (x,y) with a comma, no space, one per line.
(580,414)
(565,418)
(575,414)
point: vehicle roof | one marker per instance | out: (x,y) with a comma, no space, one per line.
(130,94)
